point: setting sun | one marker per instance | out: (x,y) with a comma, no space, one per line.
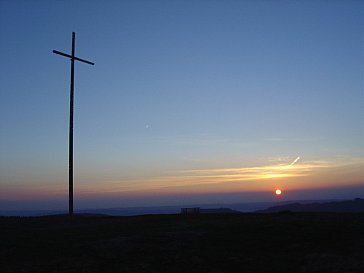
(278,192)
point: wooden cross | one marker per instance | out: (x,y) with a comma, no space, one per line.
(70,170)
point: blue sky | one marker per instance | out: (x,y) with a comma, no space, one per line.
(180,88)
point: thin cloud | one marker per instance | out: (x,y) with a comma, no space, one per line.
(201,177)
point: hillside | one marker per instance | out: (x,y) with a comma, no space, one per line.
(245,242)
(356,205)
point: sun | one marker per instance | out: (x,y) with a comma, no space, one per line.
(278,192)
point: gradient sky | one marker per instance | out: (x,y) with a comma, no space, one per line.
(189,102)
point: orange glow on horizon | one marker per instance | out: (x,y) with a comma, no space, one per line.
(312,174)
(307,174)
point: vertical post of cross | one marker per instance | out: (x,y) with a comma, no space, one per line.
(70,155)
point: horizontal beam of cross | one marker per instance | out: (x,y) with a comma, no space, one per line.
(75,58)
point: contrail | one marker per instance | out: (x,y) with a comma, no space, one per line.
(294,161)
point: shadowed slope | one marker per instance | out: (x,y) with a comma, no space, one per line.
(296,242)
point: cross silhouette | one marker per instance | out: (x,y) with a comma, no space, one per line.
(70,170)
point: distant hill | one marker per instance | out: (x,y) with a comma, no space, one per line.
(219,210)
(356,205)
(204,208)
(132,211)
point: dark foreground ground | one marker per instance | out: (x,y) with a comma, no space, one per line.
(281,242)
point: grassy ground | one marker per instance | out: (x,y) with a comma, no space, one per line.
(282,242)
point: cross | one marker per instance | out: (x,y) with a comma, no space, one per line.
(70,155)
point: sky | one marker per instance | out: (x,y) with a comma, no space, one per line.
(188,102)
